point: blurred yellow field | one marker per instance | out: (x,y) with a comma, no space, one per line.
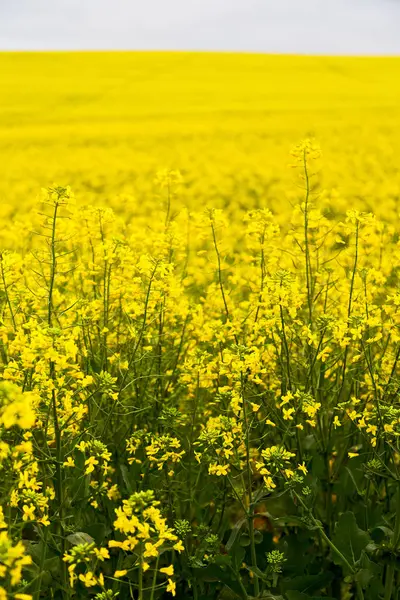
(104,123)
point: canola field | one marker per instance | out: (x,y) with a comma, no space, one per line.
(200,327)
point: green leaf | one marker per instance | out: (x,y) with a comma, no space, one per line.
(215,573)
(308,583)
(234,533)
(259,573)
(368,571)
(349,539)
(35,550)
(222,560)
(225,594)
(237,557)
(379,533)
(298,552)
(295,595)
(52,566)
(288,521)
(80,537)
(125,476)
(258,537)
(354,481)
(98,531)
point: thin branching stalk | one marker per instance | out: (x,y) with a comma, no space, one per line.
(250,510)
(59,490)
(5,286)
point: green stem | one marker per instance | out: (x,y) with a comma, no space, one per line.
(57,431)
(249,491)
(59,488)
(323,534)
(360,592)
(41,565)
(240,582)
(306,245)
(389,582)
(221,285)
(286,347)
(140,583)
(6,293)
(349,306)
(53,267)
(153,585)
(253,554)
(390,572)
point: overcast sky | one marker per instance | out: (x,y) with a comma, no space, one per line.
(290,26)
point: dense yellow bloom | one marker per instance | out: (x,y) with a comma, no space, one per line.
(302,468)
(218,470)
(150,550)
(171,587)
(29,513)
(13,559)
(120,573)
(16,407)
(189,322)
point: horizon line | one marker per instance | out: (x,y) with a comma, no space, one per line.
(195,51)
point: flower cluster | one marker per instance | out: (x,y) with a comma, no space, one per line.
(173,381)
(146,536)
